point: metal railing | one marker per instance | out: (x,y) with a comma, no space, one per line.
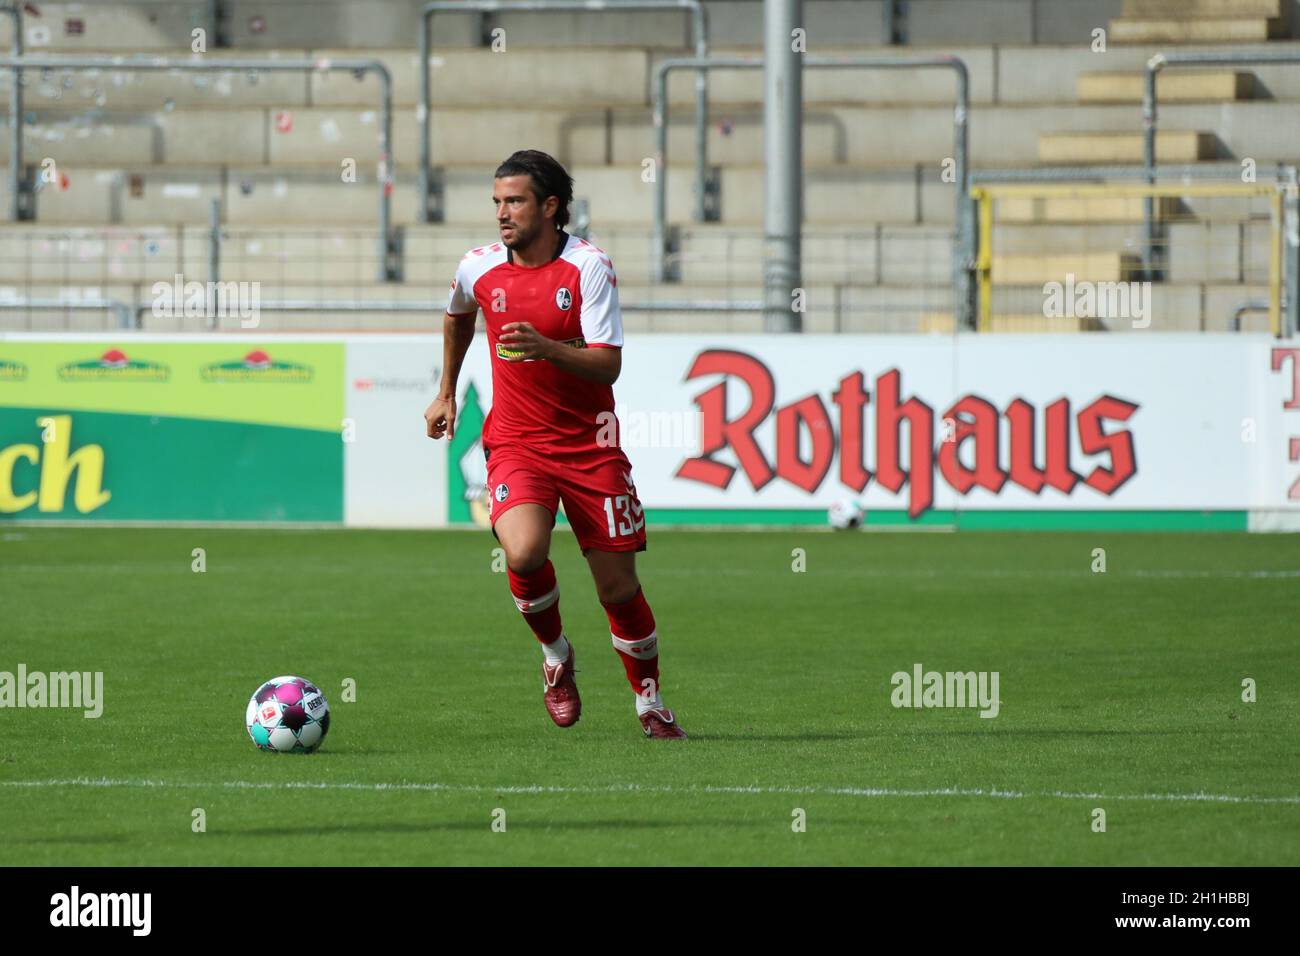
(391,269)
(122,311)
(1150,99)
(1175,180)
(430,191)
(964,247)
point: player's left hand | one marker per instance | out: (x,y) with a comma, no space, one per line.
(523,338)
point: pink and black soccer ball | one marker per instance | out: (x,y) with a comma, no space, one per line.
(288,715)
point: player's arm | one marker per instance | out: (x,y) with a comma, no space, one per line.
(596,363)
(457,334)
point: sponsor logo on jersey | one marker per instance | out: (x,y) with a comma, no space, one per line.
(506,352)
(563,298)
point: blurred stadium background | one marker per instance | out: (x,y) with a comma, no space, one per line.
(141,158)
(939,199)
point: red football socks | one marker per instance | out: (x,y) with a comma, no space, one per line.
(632,627)
(537,596)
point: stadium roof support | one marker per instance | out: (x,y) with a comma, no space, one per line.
(963,249)
(390,246)
(430,193)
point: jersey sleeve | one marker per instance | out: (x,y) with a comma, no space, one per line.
(602,319)
(462,301)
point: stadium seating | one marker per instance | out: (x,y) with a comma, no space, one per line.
(142,156)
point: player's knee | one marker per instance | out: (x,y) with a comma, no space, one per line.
(618,590)
(526,559)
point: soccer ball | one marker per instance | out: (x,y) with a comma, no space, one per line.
(288,715)
(845,515)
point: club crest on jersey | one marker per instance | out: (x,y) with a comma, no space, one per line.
(563,298)
(502,492)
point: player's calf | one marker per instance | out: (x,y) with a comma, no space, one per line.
(636,639)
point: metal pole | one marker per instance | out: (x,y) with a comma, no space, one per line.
(387,241)
(965,247)
(389,264)
(1291,269)
(424,112)
(700,18)
(214,259)
(1149,162)
(658,238)
(964,250)
(16,210)
(891,22)
(660,234)
(783,166)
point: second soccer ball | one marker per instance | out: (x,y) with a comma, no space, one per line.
(845,515)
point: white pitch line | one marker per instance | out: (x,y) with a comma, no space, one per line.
(992,794)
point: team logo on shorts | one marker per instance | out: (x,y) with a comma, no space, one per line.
(502,492)
(563,298)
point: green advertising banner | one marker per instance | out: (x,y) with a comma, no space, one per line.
(171,431)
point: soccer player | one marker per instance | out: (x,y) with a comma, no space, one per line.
(555,338)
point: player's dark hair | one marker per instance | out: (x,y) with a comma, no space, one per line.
(548,176)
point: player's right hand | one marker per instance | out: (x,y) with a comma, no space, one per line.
(440,417)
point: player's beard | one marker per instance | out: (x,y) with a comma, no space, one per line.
(519,237)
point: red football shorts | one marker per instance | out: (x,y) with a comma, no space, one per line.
(599,498)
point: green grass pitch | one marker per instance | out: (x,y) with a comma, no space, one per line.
(1119,690)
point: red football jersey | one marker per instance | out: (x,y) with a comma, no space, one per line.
(537,406)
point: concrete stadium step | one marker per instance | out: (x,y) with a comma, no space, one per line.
(1092,266)
(1202,8)
(1098,209)
(1023,239)
(1049,74)
(1218,252)
(617,195)
(1168,305)
(712,256)
(482,78)
(1211,30)
(319,139)
(846,86)
(37,253)
(1193,251)
(941,323)
(1174,87)
(310,24)
(129,89)
(592,78)
(1172,146)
